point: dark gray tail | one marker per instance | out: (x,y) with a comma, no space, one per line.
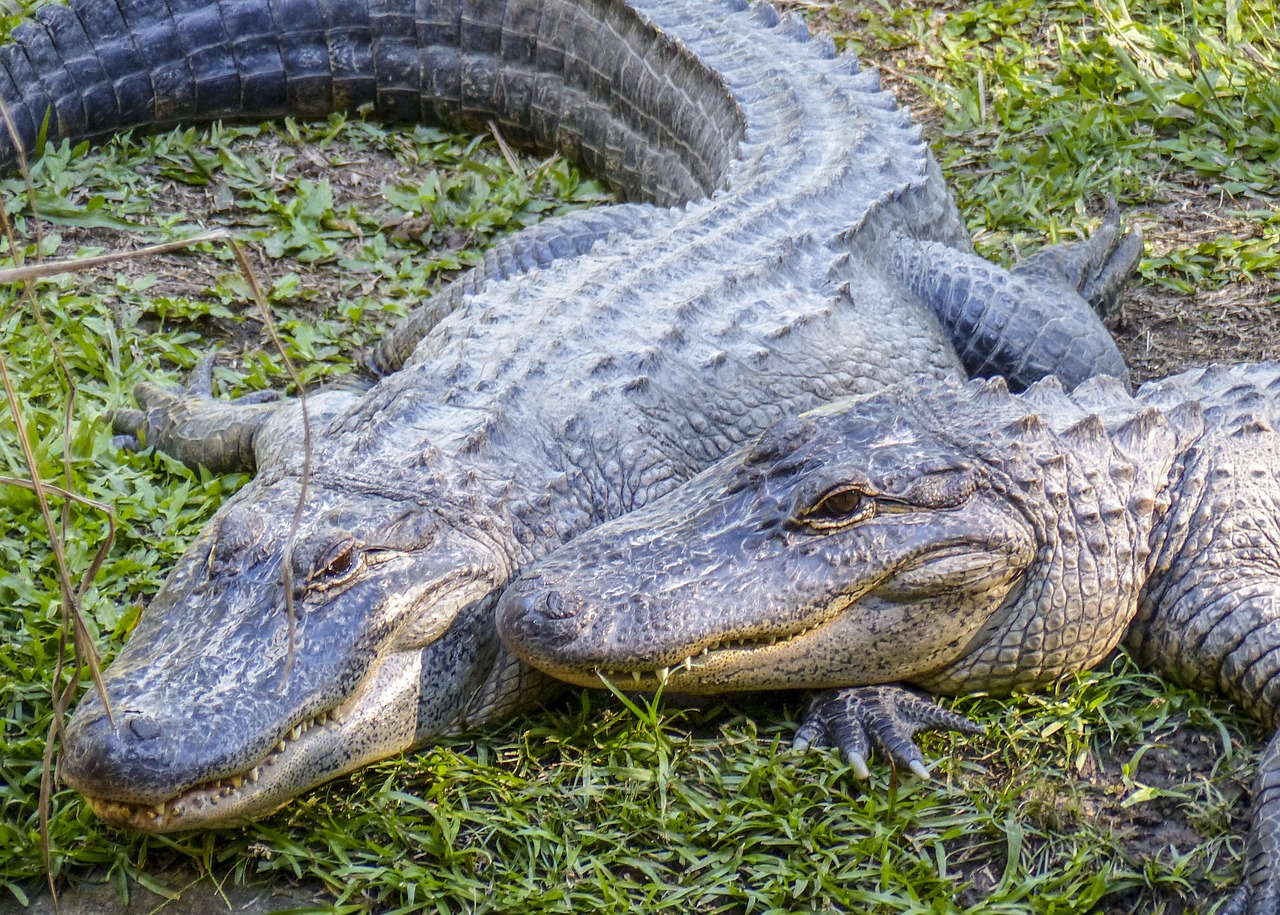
(98,67)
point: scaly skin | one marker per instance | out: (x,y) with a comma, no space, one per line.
(956,539)
(792,241)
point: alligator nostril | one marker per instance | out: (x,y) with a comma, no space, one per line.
(143,727)
(553,606)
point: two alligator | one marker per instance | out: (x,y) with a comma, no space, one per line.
(595,363)
(791,243)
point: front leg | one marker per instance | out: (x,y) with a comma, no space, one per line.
(192,426)
(1041,318)
(887,717)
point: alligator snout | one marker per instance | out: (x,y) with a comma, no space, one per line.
(533,613)
(125,760)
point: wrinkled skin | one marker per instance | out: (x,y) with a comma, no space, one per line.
(336,689)
(957,539)
(789,240)
(830,553)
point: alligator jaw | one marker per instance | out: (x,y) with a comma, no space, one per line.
(695,673)
(377,722)
(231,800)
(750,577)
(224,710)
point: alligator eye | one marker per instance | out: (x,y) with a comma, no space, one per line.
(336,565)
(839,508)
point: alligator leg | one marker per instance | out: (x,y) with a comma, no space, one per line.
(1030,322)
(1099,268)
(194,427)
(887,716)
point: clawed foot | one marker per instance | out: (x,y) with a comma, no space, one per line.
(1099,268)
(190,424)
(853,720)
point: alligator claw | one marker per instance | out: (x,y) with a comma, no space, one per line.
(1099,267)
(853,720)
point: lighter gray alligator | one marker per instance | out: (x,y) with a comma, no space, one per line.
(956,539)
(790,241)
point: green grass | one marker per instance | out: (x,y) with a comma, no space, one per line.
(1116,793)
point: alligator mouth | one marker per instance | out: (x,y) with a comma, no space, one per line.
(199,803)
(684,673)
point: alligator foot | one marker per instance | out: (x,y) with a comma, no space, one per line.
(1099,268)
(1041,318)
(886,716)
(192,426)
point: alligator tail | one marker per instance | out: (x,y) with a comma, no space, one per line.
(95,68)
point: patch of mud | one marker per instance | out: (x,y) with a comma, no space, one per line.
(1161,330)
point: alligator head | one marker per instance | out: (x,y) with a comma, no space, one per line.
(225,705)
(859,544)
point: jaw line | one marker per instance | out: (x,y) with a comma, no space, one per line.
(380,718)
(680,676)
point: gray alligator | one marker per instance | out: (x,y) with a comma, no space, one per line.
(957,539)
(790,241)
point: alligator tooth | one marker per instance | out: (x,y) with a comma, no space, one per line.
(296,732)
(280,747)
(687,663)
(663,673)
(158,809)
(236,781)
(214,798)
(252,775)
(635,675)
(705,649)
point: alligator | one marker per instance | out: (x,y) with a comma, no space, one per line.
(787,240)
(954,538)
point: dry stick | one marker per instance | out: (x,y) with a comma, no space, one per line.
(80,264)
(62,700)
(86,654)
(20,153)
(84,648)
(286,560)
(70,615)
(507,154)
